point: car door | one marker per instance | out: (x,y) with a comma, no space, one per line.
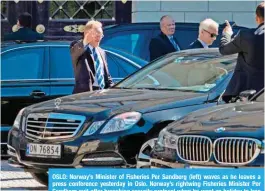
(119,66)
(61,70)
(23,80)
(131,41)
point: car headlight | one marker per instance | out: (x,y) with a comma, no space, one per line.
(121,122)
(166,139)
(18,119)
(93,128)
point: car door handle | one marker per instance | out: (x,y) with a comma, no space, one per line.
(37,94)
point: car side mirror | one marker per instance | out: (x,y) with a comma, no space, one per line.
(246,95)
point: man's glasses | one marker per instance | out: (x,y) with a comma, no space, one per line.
(212,34)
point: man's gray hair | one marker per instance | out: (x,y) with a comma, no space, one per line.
(208,23)
(91,24)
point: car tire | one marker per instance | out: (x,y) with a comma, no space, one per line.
(143,158)
(41,178)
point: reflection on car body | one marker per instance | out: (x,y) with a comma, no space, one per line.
(108,127)
(226,136)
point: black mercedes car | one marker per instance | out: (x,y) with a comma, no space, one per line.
(108,127)
(226,136)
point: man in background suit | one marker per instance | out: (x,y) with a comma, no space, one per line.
(208,31)
(165,42)
(24,33)
(249,44)
(89,60)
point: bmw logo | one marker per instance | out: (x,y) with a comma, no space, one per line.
(219,130)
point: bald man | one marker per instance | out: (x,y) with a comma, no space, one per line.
(165,42)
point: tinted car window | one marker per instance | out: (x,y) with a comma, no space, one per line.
(119,67)
(60,60)
(128,41)
(22,64)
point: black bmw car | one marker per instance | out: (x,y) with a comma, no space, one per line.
(226,136)
(108,127)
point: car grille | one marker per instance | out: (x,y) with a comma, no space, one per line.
(53,125)
(193,148)
(231,150)
(103,159)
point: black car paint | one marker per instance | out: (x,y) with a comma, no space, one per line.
(239,120)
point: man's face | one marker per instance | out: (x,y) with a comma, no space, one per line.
(94,36)
(168,26)
(209,35)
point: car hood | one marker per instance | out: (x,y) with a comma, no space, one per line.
(121,100)
(241,119)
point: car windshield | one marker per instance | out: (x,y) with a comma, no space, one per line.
(199,73)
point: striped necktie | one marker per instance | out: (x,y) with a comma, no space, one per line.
(174,43)
(99,70)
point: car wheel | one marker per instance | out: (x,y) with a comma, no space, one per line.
(143,158)
(41,178)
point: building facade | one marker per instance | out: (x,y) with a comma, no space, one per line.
(241,12)
(66,19)
(63,19)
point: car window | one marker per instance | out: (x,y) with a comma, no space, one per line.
(60,63)
(128,41)
(188,73)
(119,67)
(22,64)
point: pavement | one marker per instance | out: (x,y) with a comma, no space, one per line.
(16,179)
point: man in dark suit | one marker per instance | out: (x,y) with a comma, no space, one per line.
(89,60)
(208,31)
(249,44)
(165,42)
(24,33)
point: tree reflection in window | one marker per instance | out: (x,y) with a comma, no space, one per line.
(81,10)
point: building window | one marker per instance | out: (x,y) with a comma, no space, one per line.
(82,10)
(4,10)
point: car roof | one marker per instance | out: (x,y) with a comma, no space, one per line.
(152,25)
(10,44)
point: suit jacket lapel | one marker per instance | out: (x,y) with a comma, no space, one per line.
(168,41)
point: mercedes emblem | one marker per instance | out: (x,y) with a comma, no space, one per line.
(57,102)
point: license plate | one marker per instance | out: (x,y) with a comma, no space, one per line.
(43,150)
